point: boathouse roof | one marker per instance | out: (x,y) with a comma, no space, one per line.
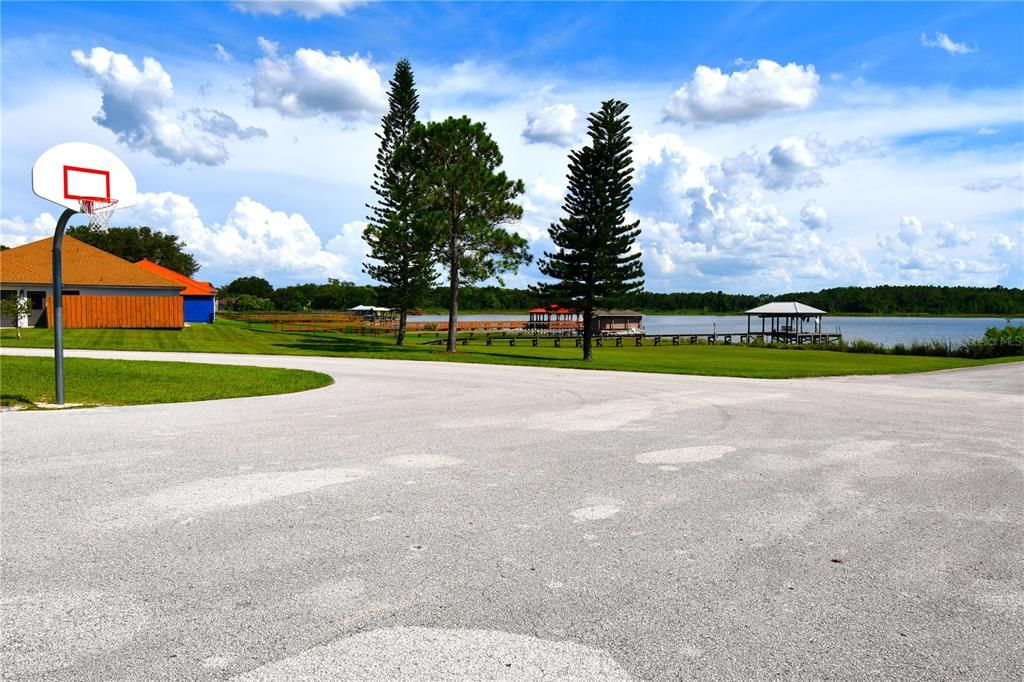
(785,308)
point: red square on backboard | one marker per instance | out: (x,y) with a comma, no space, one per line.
(85,184)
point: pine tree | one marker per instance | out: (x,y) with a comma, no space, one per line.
(400,241)
(467,200)
(594,262)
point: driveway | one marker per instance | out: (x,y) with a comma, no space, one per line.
(433,521)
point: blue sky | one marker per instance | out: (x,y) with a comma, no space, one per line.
(778,146)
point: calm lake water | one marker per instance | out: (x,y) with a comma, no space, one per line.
(887,330)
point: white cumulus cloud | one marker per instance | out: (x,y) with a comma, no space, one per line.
(252,239)
(1010,256)
(712,96)
(911,230)
(554,124)
(311,82)
(545,190)
(138,108)
(794,162)
(944,42)
(949,235)
(307,9)
(906,257)
(17,231)
(713,227)
(1003,243)
(814,216)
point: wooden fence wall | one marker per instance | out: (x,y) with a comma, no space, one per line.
(119,312)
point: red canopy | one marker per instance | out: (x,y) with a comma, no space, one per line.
(554,309)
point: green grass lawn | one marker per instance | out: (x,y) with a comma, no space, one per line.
(26,381)
(740,361)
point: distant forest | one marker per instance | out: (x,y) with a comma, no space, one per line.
(881,300)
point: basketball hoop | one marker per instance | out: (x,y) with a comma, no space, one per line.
(98,212)
(82,178)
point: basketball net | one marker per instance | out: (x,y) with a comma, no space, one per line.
(98,212)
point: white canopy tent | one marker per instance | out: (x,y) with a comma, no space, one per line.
(787,319)
(368,308)
(372,312)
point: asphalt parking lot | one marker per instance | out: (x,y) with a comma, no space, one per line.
(443,521)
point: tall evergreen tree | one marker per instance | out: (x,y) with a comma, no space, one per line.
(467,200)
(595,263)
(400,241)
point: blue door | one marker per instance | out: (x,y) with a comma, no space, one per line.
(198,308)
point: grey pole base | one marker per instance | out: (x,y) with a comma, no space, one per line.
(58,290)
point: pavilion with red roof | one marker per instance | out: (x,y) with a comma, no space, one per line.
(553,318)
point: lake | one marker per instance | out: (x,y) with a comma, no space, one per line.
(885,330)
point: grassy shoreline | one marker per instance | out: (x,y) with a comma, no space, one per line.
(721,360)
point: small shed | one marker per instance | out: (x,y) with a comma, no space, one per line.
(786,320)
(618,322)
(198,298)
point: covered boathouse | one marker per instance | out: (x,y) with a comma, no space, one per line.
(554,318)
(618,322)
(789,322)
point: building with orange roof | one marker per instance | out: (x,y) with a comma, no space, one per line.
(199,298)
(100,289)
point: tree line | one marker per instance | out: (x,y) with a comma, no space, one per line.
(880,300)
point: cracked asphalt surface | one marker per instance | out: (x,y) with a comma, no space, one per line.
(445,521)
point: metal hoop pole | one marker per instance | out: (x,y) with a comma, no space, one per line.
(58,292)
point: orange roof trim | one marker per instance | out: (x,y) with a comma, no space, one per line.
(84,265)
(192,287)
(554,308)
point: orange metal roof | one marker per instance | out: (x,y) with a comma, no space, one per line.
(192,287)
(84,265)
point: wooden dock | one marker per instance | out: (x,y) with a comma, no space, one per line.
(509,331)
(641,339)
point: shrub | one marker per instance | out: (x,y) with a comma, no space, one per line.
(865,346)
(250,303)
(934,348)
(1006,341)
(997,342)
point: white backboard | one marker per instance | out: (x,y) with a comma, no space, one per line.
(77,171)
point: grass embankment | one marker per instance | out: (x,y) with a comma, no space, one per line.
(27,381)
(737,361)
